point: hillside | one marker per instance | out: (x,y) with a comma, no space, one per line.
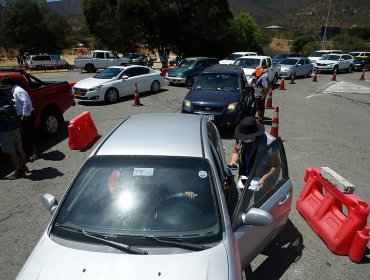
(310,14)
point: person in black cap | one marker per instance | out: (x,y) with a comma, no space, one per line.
(251,141)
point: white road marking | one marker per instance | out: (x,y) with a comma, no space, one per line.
(340,88)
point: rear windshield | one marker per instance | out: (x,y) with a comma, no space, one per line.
(247,62)
(233,56)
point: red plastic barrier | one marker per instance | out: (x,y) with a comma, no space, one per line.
(321,204)
(164,71)
(82,132)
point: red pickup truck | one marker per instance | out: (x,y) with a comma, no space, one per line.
(49,99)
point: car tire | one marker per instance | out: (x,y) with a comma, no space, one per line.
(51,122)
(189,81)
(274,81)
(309,74)
(349,69)
(155,87)
(111,96)
(90,68)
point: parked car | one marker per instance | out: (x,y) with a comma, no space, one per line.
(335,63)
(249,64)
(188,69)
(354,54)
(50,99)
(361,63)
(128,213)
(281,56)
(302,67)
(100,60)
(45,61)
(315,56)
(232,57)
(117,81)
(220,93)
(137,58)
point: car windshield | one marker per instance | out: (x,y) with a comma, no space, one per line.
(248,62)
(280,56)
(109,73)
(355,53)
(331,57)
(233,56)
(289,61)
(186,63)
(143,196)
(217,82)
(318,54)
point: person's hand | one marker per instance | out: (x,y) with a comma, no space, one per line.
(233,164)
(191,195)
(261,182)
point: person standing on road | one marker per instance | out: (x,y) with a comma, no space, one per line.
(25,114)
(10,137)
(260,85)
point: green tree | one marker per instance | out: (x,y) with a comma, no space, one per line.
(30,25)
(303,44)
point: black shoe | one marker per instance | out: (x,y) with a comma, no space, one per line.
(19,173)
(35,157)
(25,169)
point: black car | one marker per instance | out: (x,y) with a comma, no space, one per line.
(137,58)
(220,93)
(361,63)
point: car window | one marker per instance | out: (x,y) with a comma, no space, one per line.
(201,63)
(109,56)
(143,196)
(142,71)
(214,138)
(186,63)
(130,72)
(99,55)
(108,73)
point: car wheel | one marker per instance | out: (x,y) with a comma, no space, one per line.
(189,81)
(349,69)
(274,81)
(51,122)
(111,96)
(309,74)
(90,68)
(155,87)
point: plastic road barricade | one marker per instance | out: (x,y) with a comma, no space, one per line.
(339,217)
(81,132)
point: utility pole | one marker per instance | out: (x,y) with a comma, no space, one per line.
(326,26)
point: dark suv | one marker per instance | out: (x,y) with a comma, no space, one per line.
(188,69)
(221,94)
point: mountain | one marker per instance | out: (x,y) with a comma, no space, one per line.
(286,13)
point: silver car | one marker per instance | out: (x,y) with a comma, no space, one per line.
(148,203)
(302,67)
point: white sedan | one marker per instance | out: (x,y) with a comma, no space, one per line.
(117,81)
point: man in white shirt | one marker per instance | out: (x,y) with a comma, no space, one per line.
(25,114)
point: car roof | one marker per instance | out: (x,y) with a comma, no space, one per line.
(217,68)
(199,57)
(243,52)
(155,134)
(254,57)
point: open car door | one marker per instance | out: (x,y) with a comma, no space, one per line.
(261,214)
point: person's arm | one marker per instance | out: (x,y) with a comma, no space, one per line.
(274,164)
(234,156)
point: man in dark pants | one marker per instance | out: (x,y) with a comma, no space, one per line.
(25,114)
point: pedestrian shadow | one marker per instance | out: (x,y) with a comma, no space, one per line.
(44,174)
(53,156)
(282,252)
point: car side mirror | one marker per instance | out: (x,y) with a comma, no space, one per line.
(124,77)
(257,217)
(50,202)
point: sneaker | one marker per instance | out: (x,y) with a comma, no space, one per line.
(19,173)
(35,157)
(25,169)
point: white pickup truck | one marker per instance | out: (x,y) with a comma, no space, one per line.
(249,64)
(99,59)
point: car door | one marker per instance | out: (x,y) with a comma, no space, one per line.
(110,59)
(126,85)
(275,197)
(300,69)
(143,79)
(99,60)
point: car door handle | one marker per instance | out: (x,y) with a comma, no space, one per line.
(285,199)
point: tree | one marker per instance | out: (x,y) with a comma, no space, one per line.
(304,44)
(30,25)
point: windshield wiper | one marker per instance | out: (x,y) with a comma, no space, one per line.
(178,243)
(114,244)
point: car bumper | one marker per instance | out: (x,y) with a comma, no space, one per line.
(357,67)
(285,74)
(90,96)
(223,118)
(175,80)
(325,68)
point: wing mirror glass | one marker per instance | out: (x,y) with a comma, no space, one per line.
(257,217)
(50,202)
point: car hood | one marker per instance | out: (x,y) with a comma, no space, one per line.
(178,70)
(212,97)
(50,260)
(287,67)
(91,82)
(226,61)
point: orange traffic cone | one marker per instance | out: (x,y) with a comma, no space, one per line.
(362,78)
(136,97)
(292,78)
(314,79)
(275,123)
(269,98)
(282,84)
(334,78)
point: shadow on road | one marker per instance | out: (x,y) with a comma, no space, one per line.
(44,174)
(284,250)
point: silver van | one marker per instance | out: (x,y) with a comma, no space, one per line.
(44,61)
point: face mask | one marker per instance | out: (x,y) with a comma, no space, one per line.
(247,141)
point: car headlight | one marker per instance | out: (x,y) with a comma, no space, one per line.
(187,104)
(95,88)
(179,75)
(232,106)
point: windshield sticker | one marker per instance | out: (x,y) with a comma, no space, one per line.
(202,174)
(143,172)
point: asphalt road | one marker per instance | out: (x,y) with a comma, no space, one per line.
(322,123)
